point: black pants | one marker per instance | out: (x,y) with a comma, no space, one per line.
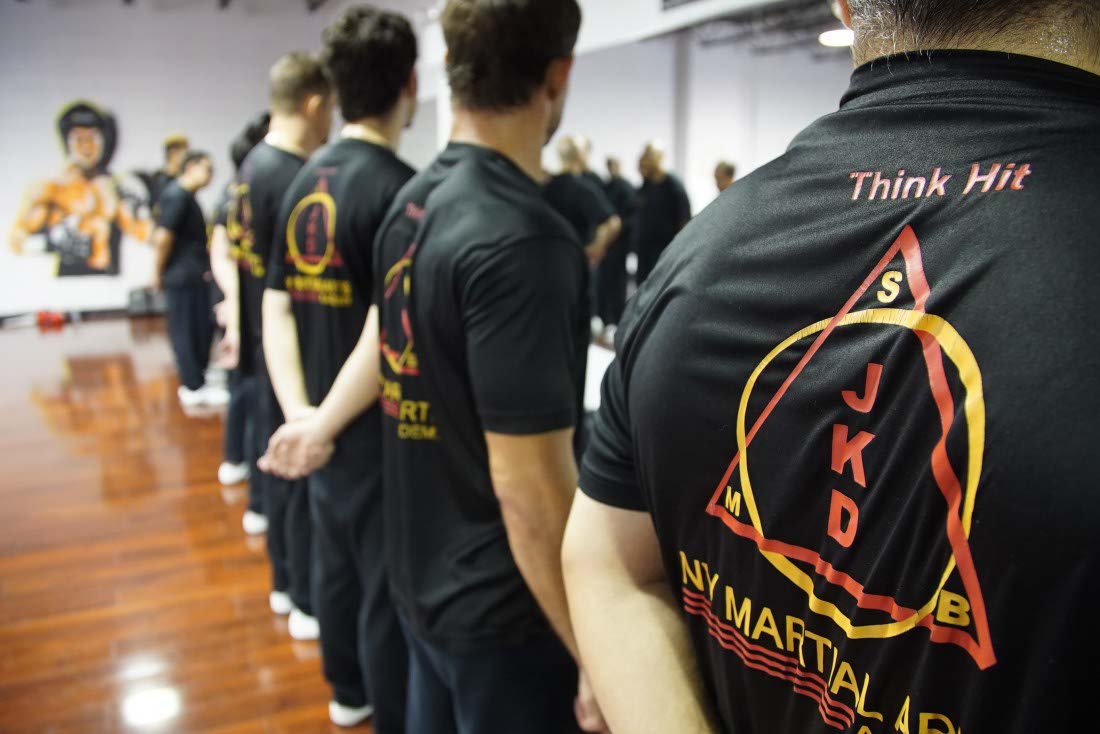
(238,418)
(191,331)
(286,505)
(611,283)
(647,260)
(363,649)
(525,688)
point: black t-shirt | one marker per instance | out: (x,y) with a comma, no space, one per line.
(624,198)
(584,205)
(323,257)
(859,398)
(262,182)
(225,202)
(663,209)
(481,289)
(179,213)
(158,184)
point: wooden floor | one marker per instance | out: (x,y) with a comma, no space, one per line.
(130,598)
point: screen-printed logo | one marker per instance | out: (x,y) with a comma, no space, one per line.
(878,554)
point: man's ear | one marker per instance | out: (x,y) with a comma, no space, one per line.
(314,104)
(557,77)
(842,12)
(412,86)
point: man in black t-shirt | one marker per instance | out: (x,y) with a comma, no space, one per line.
(611,278)
(582,202)
(480,290)
(175,151)
(301,115)
(663,209)
(320,286)
(183,272)
(843,477)
(239,455)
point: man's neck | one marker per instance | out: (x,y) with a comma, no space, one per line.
(190,187)
(1053,41)
(291,134)
(378,130)
(658,176)
(518,135)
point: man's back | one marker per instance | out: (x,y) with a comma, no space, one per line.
(868,461)
(477,278)
(262,182)
(323,254)
(584,205)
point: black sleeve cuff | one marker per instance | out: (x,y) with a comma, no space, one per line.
(623,495)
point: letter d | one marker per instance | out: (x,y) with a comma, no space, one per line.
(840,506)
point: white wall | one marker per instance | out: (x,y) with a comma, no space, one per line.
(621,98)
(747,108)
(190,69)
(735,105)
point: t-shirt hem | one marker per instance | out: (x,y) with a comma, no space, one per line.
(513,424)
(607,492)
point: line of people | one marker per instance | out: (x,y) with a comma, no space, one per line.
(417,347)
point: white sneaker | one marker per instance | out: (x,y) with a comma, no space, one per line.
(280,603)
(214,396)
(190,398)
(255,524)
(303,627)
(230,474)
(347,716)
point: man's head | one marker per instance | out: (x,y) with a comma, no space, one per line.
(652,163)
(569,151)
(724,173)
(371,56)
(1063,30)
(301,89)
(88,135)
(196,171)
(584,147)
(614,168)
(248,138)
(175,148)
(503,55)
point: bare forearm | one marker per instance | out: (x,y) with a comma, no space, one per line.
(633,640)
(282,354)
(356,387)
(163,240)
(606,236)
(637,655)
(222,265)
(535,539)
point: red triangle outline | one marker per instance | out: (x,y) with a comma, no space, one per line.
(980,649)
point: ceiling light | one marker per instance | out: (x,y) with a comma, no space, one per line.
(839,38)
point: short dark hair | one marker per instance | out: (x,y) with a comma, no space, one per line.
(726,168)
(498,50)
(938,22)
(294,78)
(369,55)
(248,138)
(194,156)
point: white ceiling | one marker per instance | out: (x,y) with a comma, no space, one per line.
(413,8)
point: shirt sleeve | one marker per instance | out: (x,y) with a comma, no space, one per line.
(595,206)
(171,211)
(521,308)
(608,472)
